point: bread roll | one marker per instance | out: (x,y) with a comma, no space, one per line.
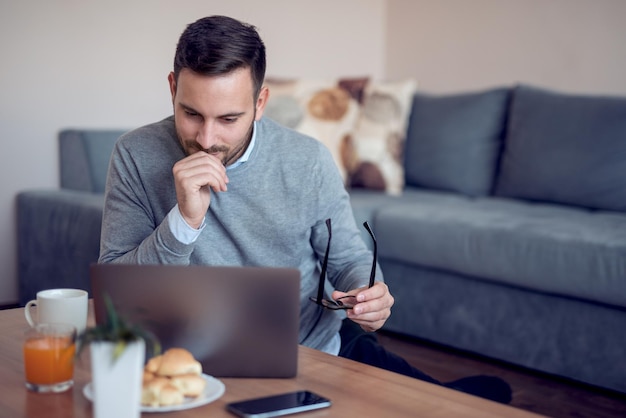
(153,364)
(169,377)
(177,361)
(159,391)
(169,395)
(190,385)
(147,376)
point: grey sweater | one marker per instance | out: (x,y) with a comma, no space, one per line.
(272,214)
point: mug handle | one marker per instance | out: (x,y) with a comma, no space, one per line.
(27,312)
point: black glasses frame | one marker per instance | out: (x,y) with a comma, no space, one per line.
(345,302)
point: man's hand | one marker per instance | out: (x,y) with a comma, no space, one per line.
(193,176)
(373,306)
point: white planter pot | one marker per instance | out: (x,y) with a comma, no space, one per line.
(117,385)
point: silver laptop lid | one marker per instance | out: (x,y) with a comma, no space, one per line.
(237,321)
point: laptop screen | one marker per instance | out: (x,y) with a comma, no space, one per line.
(237,321)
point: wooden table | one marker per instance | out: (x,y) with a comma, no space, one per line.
(356,390)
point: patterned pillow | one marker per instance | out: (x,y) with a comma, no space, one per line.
(362,123)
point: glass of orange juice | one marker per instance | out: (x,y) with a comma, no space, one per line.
(49,357)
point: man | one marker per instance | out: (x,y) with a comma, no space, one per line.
(218,184)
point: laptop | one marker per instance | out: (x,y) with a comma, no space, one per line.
(236,321)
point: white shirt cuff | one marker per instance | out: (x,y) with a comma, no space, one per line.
(181,229)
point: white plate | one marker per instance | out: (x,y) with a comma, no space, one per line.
(213,390)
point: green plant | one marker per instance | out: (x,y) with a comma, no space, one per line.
(118,330)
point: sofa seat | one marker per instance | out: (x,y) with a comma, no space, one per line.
(505,278)
(494,238)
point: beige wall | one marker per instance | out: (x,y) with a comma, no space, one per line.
(72,63)
(452,45)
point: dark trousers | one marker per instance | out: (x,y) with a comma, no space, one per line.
(362,346)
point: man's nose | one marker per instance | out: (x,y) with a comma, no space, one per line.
(207,135)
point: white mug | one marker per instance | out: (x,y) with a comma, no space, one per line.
(67,306)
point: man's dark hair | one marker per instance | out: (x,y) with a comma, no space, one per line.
(217,45)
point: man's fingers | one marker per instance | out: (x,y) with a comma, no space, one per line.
(194,175)
(201,169)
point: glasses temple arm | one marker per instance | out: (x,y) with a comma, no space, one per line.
(373,272)
(320,289)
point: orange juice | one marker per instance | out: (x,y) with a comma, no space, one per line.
(49,359)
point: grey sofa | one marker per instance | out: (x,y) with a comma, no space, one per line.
(509,239)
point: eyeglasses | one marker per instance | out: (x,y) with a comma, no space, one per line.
(345,302)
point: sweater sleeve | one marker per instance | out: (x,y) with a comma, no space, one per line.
(132,232)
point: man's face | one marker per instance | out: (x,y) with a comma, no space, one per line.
(215,114)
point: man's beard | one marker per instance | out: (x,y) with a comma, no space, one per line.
(191,146)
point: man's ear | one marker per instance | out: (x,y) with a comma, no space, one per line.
(171,78)
(264,95)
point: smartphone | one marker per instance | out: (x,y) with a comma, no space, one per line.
(278,405)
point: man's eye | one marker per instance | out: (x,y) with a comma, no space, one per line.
(191,113)
(229,120)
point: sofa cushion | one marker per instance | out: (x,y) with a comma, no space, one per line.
(566,251)
(568,149)
(363,124)
(453,141)
(378,139)
(84,157)
(365,203)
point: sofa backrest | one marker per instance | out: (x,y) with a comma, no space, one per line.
(564,148)
(453,141)
(84,156)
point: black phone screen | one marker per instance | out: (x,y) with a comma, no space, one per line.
(272,406)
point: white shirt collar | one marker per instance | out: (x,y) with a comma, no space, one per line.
(246,154)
